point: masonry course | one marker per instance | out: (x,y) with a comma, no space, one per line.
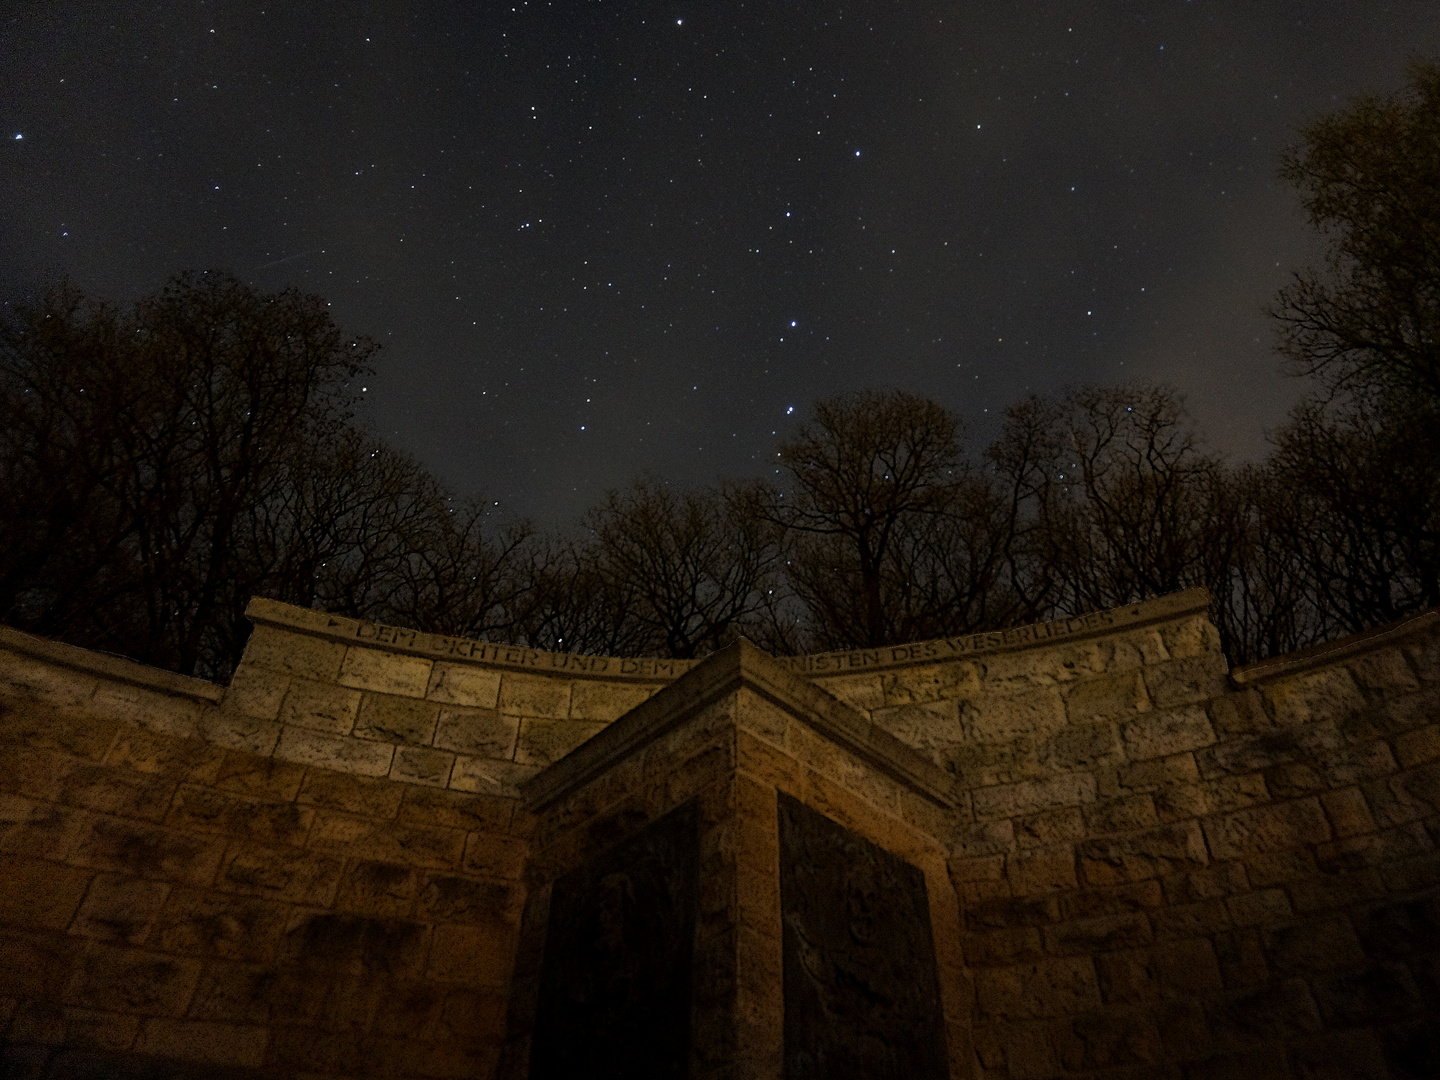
(1160,867)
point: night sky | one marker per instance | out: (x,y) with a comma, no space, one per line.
(610,236)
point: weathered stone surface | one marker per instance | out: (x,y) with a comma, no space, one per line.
(335,752)
(39,894)
(1013,800)
(529,695)
(385,672)
(482,732)
(417,765)
(1268,828)
(1136,856)
(1064,986)
(388,718)
(1166,733)
(1118,695)
(542,742)
(120,908)
(461,684)
(320,706)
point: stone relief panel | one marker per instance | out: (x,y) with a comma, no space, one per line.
(862,997)
(616,974)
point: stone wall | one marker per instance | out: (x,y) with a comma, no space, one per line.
(1164,868)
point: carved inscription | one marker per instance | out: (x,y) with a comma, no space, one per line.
(615,979)
(444,647)
(862,997)
(949,648)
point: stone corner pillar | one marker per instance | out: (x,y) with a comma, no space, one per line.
(740,878)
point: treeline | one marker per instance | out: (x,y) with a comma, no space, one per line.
(160,465)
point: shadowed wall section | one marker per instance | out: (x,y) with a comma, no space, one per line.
(1164,868)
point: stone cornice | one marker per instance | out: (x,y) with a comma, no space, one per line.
(395,639)
(114,668)
(740,665)
(1330,652)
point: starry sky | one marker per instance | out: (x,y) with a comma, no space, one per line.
(603,236)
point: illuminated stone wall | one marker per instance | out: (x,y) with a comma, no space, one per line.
(1160,865)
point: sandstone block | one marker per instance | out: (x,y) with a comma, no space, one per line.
(320,707)
(25,677)
(464,685)
(1193,680)
(1029,1053)
(1104,933)
(1125,814)
(456,810)
(1384,672)
(1120,694)
(1119,900)
(448,898)
(39,894)
(471,955)
(149,709)
(863,692)
(1327,694)
(1046,988)
(494,856)
(325,942)
(983,765)
(148,851)
(1154,775)
(983,838)
(1317,944)
(388,718)
(335,752)
(1081,747)
(1050,827)
(1417,747)
(235,731)
(1242,959)
(603,702)
(928,727)
(498,778)
(120,908)
(1112,1039)
(256,692)
(416,765)
(529,695)
(1205,918)
(93,1030)
(1268,828)
(35,963)
(292,653)
(280,874)
(410,845)
(134,981)
(1389,846)
(1240,713)
(231,1045)
(373,797)
(260,777)
(1168,733)
(380,890)
(202,923)
(1216,881)
(1264,908)
(1284,1008)
(1348,812)
(541,742)
(145,752)
(1000,948)
(1001,717)
(1013,800)
(1190,637)
(116,791)
(385,672)
(1279,867)
(1041,870)
(1169,849)
(482,732)
(204,810)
